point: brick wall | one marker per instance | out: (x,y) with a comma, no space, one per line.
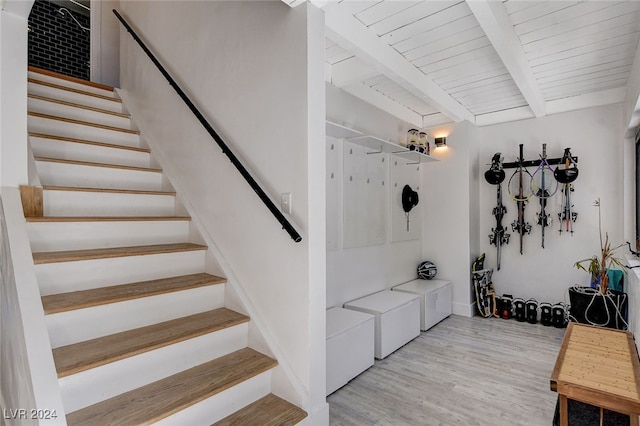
(56,42)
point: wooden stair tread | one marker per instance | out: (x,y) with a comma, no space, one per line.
(87,142)
(76,105)
(106,218)
(92,164)
(165,397)
(64,302)
(110,190)
(72,359)
(267,411)
(71,89)
(102,253)
(69,78)
(83,123)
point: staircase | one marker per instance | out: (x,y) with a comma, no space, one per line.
(139,329)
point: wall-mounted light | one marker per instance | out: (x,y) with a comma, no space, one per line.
(440,142)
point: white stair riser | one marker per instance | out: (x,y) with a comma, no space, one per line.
(70,327)
(78,98)
(223,404)
(100,383)
(81,131)
(78,113)
(64,150)
(70,84)
(56,236)
(83,176)
(86,203)
(63,277)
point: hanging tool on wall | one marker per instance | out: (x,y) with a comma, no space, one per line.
(566,176)
(409,201)
(495,176)
(520,191)
(543,187)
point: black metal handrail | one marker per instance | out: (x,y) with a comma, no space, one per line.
(286,225)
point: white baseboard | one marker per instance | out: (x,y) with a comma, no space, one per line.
(463,309)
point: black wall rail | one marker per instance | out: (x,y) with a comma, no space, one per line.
(286,225)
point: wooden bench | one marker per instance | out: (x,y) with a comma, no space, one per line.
(598,366)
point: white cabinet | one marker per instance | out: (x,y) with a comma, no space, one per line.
(397,318)
(435,299)
(350,340)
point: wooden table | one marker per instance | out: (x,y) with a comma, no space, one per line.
(598,366)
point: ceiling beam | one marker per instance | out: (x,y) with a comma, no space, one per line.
(587,100)
(344,29)
(351,70)
(572,103)
(495,23)
(384,103)
(505,116)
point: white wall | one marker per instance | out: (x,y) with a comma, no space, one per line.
(27,371)
(447,212)
(28,378)
(451,213)
(358,271)
(316,162)
(594,135)
(16,390)
(105,42)
(13,92)
(246,65)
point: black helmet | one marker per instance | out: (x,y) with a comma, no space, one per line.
(570,172)
(566,175)
(409,198)
(427,270)
(495,175)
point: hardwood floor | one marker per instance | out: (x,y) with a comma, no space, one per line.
(463,371)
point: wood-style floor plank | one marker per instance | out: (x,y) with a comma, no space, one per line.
(71,89)
(108,190)
(64,302)
(80,106)
(72,359)
(163,398)
(70,78)
(267,411)
(464,371)
(93,164)
(107,218)
(102,253)
(88,142)
(83,123)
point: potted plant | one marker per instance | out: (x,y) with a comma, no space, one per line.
(600,264)
(600,305)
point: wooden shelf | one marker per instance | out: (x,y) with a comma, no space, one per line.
(339,131)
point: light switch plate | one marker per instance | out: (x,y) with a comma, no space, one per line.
(285,202)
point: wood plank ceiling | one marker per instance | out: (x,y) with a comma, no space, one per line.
(432,62)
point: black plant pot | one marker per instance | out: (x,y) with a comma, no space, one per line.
(588,306)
